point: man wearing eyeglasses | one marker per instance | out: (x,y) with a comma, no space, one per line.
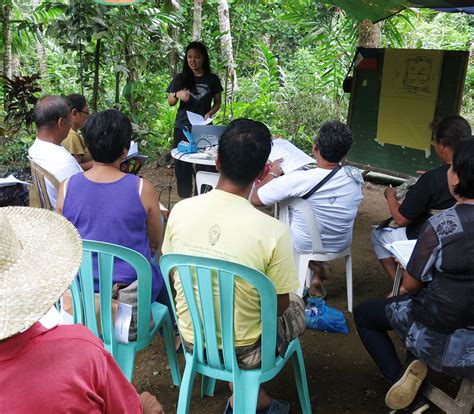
(74,142)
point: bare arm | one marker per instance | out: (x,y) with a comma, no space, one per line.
(411,284)
(274,172)
(390,195)
(174,97)
(216,106)
(150,203)
(283,301)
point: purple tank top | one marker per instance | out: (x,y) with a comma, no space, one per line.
(113,213)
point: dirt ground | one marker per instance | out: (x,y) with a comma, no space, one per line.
(341,376)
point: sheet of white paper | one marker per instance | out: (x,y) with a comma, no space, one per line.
(122,322)
(293,157)
(133,148)
(197,119)
(402,250)
(11,180)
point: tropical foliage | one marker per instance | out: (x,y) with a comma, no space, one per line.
(290,59)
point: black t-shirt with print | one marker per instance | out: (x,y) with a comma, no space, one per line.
(200,100)
(431,191)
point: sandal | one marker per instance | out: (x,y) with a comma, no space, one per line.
(323,295)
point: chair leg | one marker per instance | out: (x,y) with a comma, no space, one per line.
(186,388)
(300,379)
(246,387)
(207,386)
(171,350)
(349,282)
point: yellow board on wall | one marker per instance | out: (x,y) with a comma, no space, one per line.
(410,83)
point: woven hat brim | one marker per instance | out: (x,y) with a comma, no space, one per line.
(50,256)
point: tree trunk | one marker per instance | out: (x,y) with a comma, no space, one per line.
(95,85)
(226,41)
(117,87)
(197,20)
(7,41)
(370,34)
(132,77)
(43,68)
(81,67)
(173,54)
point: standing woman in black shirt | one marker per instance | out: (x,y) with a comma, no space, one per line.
(197,90)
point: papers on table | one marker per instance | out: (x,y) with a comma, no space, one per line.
(11,180)
(402,250)
(293,157)
(197,119)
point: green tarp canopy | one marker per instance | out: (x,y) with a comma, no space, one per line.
(376,10)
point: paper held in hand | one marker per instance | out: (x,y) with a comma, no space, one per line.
(402,250)
(293,157)
(196,119)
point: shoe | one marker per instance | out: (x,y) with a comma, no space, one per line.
(404,391)
(419,406)
(276,407)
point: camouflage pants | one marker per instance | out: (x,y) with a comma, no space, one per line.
(289,325)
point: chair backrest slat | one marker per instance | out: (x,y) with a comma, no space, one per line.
(86,281)
(185,274)
(39,176)
(106,270)
(308,217)
(226,294)
(208,305)
(226,273)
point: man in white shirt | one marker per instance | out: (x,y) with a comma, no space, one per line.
(335,204)
(53,122)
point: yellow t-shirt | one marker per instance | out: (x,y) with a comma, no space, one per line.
(75,144)
(225,226)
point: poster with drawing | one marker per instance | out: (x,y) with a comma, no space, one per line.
(408,96)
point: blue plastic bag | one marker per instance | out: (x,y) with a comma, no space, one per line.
(320,317)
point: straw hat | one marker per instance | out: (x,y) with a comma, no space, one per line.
(40,254)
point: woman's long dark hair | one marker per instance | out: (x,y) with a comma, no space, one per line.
(187,76)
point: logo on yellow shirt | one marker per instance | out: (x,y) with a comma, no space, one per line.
(214,234)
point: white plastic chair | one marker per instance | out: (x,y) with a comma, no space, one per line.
(208,179)
(318,253)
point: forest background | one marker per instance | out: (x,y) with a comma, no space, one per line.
(282,62)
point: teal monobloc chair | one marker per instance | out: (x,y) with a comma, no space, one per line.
(213,362)
(83,297)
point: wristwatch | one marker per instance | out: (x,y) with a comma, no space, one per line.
(272,174)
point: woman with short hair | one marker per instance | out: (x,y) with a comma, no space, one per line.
(108,205)
(436,318)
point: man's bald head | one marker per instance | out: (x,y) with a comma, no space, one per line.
(48,110)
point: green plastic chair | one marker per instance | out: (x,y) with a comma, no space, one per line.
(83,298)
(208,359)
